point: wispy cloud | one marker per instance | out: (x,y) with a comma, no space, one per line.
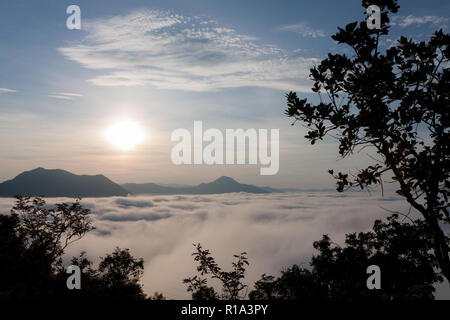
(64,95)
(6,90)
(170,51)
(70,94)
(411,20)
(304,30)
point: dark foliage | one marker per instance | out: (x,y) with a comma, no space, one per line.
(117,278)
(397,103)
(32,241)
(401,250)
(51,230)
(232,285)
(295,283)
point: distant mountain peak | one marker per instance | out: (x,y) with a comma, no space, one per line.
(60,183)
(225,179)
(223,184)
(44,170)
(38,169)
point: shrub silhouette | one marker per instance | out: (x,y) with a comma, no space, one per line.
(32,241)
(401,250)
(116,278)
(232,285)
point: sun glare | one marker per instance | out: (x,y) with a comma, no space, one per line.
(125,135)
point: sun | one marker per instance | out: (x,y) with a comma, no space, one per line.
(125,135)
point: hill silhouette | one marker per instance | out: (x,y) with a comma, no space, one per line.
(60,183)
(221,185)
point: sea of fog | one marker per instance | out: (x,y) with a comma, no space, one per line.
(276,230)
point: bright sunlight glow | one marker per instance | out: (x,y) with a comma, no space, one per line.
(125,135)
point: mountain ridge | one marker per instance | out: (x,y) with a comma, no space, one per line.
(62,183)
(223,184)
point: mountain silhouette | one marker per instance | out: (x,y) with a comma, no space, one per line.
(60,183)
(220,185)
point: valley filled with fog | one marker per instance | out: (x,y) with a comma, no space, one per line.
(276,230)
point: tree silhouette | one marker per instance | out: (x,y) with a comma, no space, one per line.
(231,281)
(52,229)
(157,296)
(117,278)
(401,250)
(33,239)
(396,102)
(122,273)
(295,283)
(32,242)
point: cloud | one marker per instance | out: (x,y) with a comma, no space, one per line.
(64,95)
(276,230)
(70,94)
(411,19)
(304,30)
(127,202)
(6,90)
(169,51)
(134,217)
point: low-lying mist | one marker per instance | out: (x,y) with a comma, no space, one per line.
(276,230)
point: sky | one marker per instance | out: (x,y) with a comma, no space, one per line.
(163,65)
